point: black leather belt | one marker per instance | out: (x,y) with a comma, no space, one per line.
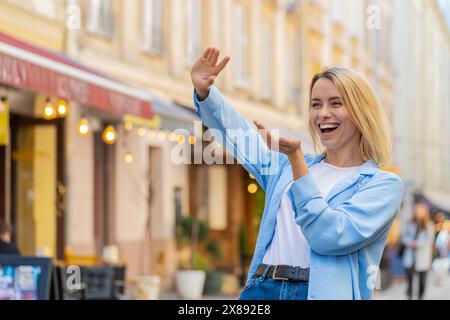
(283,272)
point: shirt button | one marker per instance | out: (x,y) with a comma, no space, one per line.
(313,295)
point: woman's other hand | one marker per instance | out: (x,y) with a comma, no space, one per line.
(290,147)
(281,144)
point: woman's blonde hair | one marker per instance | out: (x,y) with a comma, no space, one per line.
(421,215)
(364,109)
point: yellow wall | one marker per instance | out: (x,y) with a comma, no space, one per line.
(44,186)
(24,191)
(36,188)
(28,26)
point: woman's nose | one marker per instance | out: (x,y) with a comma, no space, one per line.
(325,112)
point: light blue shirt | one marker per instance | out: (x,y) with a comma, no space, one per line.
(346,231)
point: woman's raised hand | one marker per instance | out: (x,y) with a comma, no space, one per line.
(205,70)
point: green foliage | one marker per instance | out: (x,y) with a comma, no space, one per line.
(190,230)
(193,233)
(200,262)
(213,248)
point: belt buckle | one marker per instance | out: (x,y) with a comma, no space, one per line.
(274,276)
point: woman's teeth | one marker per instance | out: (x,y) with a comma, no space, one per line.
(328,127)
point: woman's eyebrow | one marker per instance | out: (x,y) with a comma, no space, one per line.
(334,98)
(316,99)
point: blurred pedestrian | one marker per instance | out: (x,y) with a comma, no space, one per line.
(418,240)
(6,247)
(438,219)
(441,264)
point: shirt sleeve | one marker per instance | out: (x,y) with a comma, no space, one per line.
(353,224)
(239,137)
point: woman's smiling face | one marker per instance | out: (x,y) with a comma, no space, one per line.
(330,118)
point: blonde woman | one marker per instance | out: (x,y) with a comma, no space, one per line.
(326,216)
(418,240)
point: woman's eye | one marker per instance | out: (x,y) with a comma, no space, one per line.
(315,105)
(337,104)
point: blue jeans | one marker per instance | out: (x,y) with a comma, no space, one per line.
(259,288)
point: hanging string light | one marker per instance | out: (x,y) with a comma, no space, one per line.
(62,108)
(83,127)
(172,137)
(252,188)
(162,135)
(128,157)
(192,139)
(128,125)
(141,131)
(48,112)
(109,135)
(181,139)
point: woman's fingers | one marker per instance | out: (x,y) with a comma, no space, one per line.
(215,57)
(221,65)
(206,53)
(283,144)
(259,125)
(210,54)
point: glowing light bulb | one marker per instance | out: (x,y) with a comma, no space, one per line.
(172,137)
(83,127)
(128,158)
(252,188)
(141,132)
(181,139)
(109,135)
(162,135)
(62,108)
(48,113)
(128,125)
(192,139)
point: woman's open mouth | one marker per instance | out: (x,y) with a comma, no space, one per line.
(328,129)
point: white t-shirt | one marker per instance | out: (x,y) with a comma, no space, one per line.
(289,246)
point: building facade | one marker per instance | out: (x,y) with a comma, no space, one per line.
(421,56)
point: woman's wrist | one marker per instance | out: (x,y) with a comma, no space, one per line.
(202,94)
(298,164)
(295,155)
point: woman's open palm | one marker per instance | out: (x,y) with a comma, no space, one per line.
(205,70)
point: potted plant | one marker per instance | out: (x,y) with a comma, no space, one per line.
(193,263)
(214,278)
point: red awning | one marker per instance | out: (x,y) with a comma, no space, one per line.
(27,66)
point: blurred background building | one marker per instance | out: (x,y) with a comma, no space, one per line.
(125,64)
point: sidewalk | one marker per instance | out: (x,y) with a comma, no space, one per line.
(433,291)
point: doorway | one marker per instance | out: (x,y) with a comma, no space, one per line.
(37,185)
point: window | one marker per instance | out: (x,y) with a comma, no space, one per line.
(336,10)
(152,26)
(194,30)
(46,8)
(241,46)
(267,62)
(356,18)
(100,18)
(291,70)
